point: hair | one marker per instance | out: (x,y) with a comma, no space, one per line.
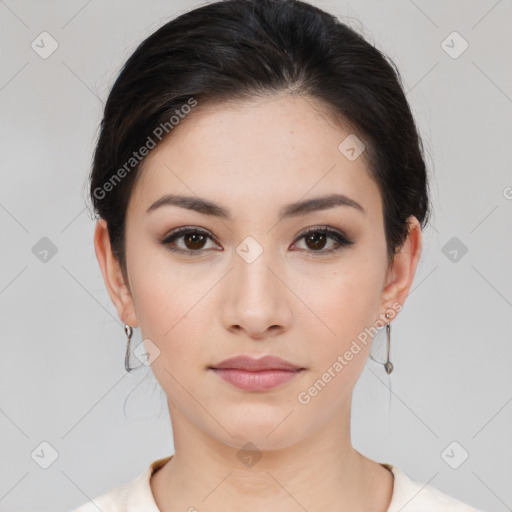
(236,50)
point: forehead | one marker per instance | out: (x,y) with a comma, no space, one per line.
(277,149)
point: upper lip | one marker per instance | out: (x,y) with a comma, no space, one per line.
(250,364)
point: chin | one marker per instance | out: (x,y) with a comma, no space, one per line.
(268,432)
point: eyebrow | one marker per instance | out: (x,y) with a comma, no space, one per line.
(212,209)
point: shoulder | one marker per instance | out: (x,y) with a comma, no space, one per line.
(111,501)
(413,496)
(132,496)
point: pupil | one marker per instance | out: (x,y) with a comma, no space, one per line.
(316,236)
(194,237)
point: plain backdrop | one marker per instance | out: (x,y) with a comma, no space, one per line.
(74,424)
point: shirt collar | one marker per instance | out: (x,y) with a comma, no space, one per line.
(140,497)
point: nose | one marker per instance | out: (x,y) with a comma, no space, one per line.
(258,300)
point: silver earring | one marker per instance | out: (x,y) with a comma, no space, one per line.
(388,365)
(129,331)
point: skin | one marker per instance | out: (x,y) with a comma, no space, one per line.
(304,306)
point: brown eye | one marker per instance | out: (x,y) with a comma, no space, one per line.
(193,240)
(316,239)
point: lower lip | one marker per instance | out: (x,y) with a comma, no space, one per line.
(256,381)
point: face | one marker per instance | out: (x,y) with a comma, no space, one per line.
(253,281)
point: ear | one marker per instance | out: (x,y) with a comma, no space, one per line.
(401,273)
(113,276)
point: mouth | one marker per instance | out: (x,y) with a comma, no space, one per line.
(255,380)
(251,374)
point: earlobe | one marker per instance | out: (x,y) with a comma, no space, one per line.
(113,276)
(401,273)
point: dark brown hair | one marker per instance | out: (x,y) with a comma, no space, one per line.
(233,50)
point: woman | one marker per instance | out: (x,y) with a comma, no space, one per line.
(261,191)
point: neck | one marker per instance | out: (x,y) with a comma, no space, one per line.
(322,469)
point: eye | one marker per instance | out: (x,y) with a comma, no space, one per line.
(193,238)
(316,238)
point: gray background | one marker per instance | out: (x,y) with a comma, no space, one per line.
(62,377)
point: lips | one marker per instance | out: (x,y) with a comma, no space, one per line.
(250,364)
(251,374)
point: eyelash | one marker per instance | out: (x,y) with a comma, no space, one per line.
(340,239)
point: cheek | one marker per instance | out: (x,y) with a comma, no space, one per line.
(161,295)
(343,304)
(167,319)
(171,306)
(337,338)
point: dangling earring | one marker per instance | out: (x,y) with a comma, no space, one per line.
(129,331)
(388,365)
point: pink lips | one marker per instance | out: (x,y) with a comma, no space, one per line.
(256,374)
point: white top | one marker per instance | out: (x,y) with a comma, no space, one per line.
(408,495)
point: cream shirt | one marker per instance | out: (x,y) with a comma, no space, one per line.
(408,495)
